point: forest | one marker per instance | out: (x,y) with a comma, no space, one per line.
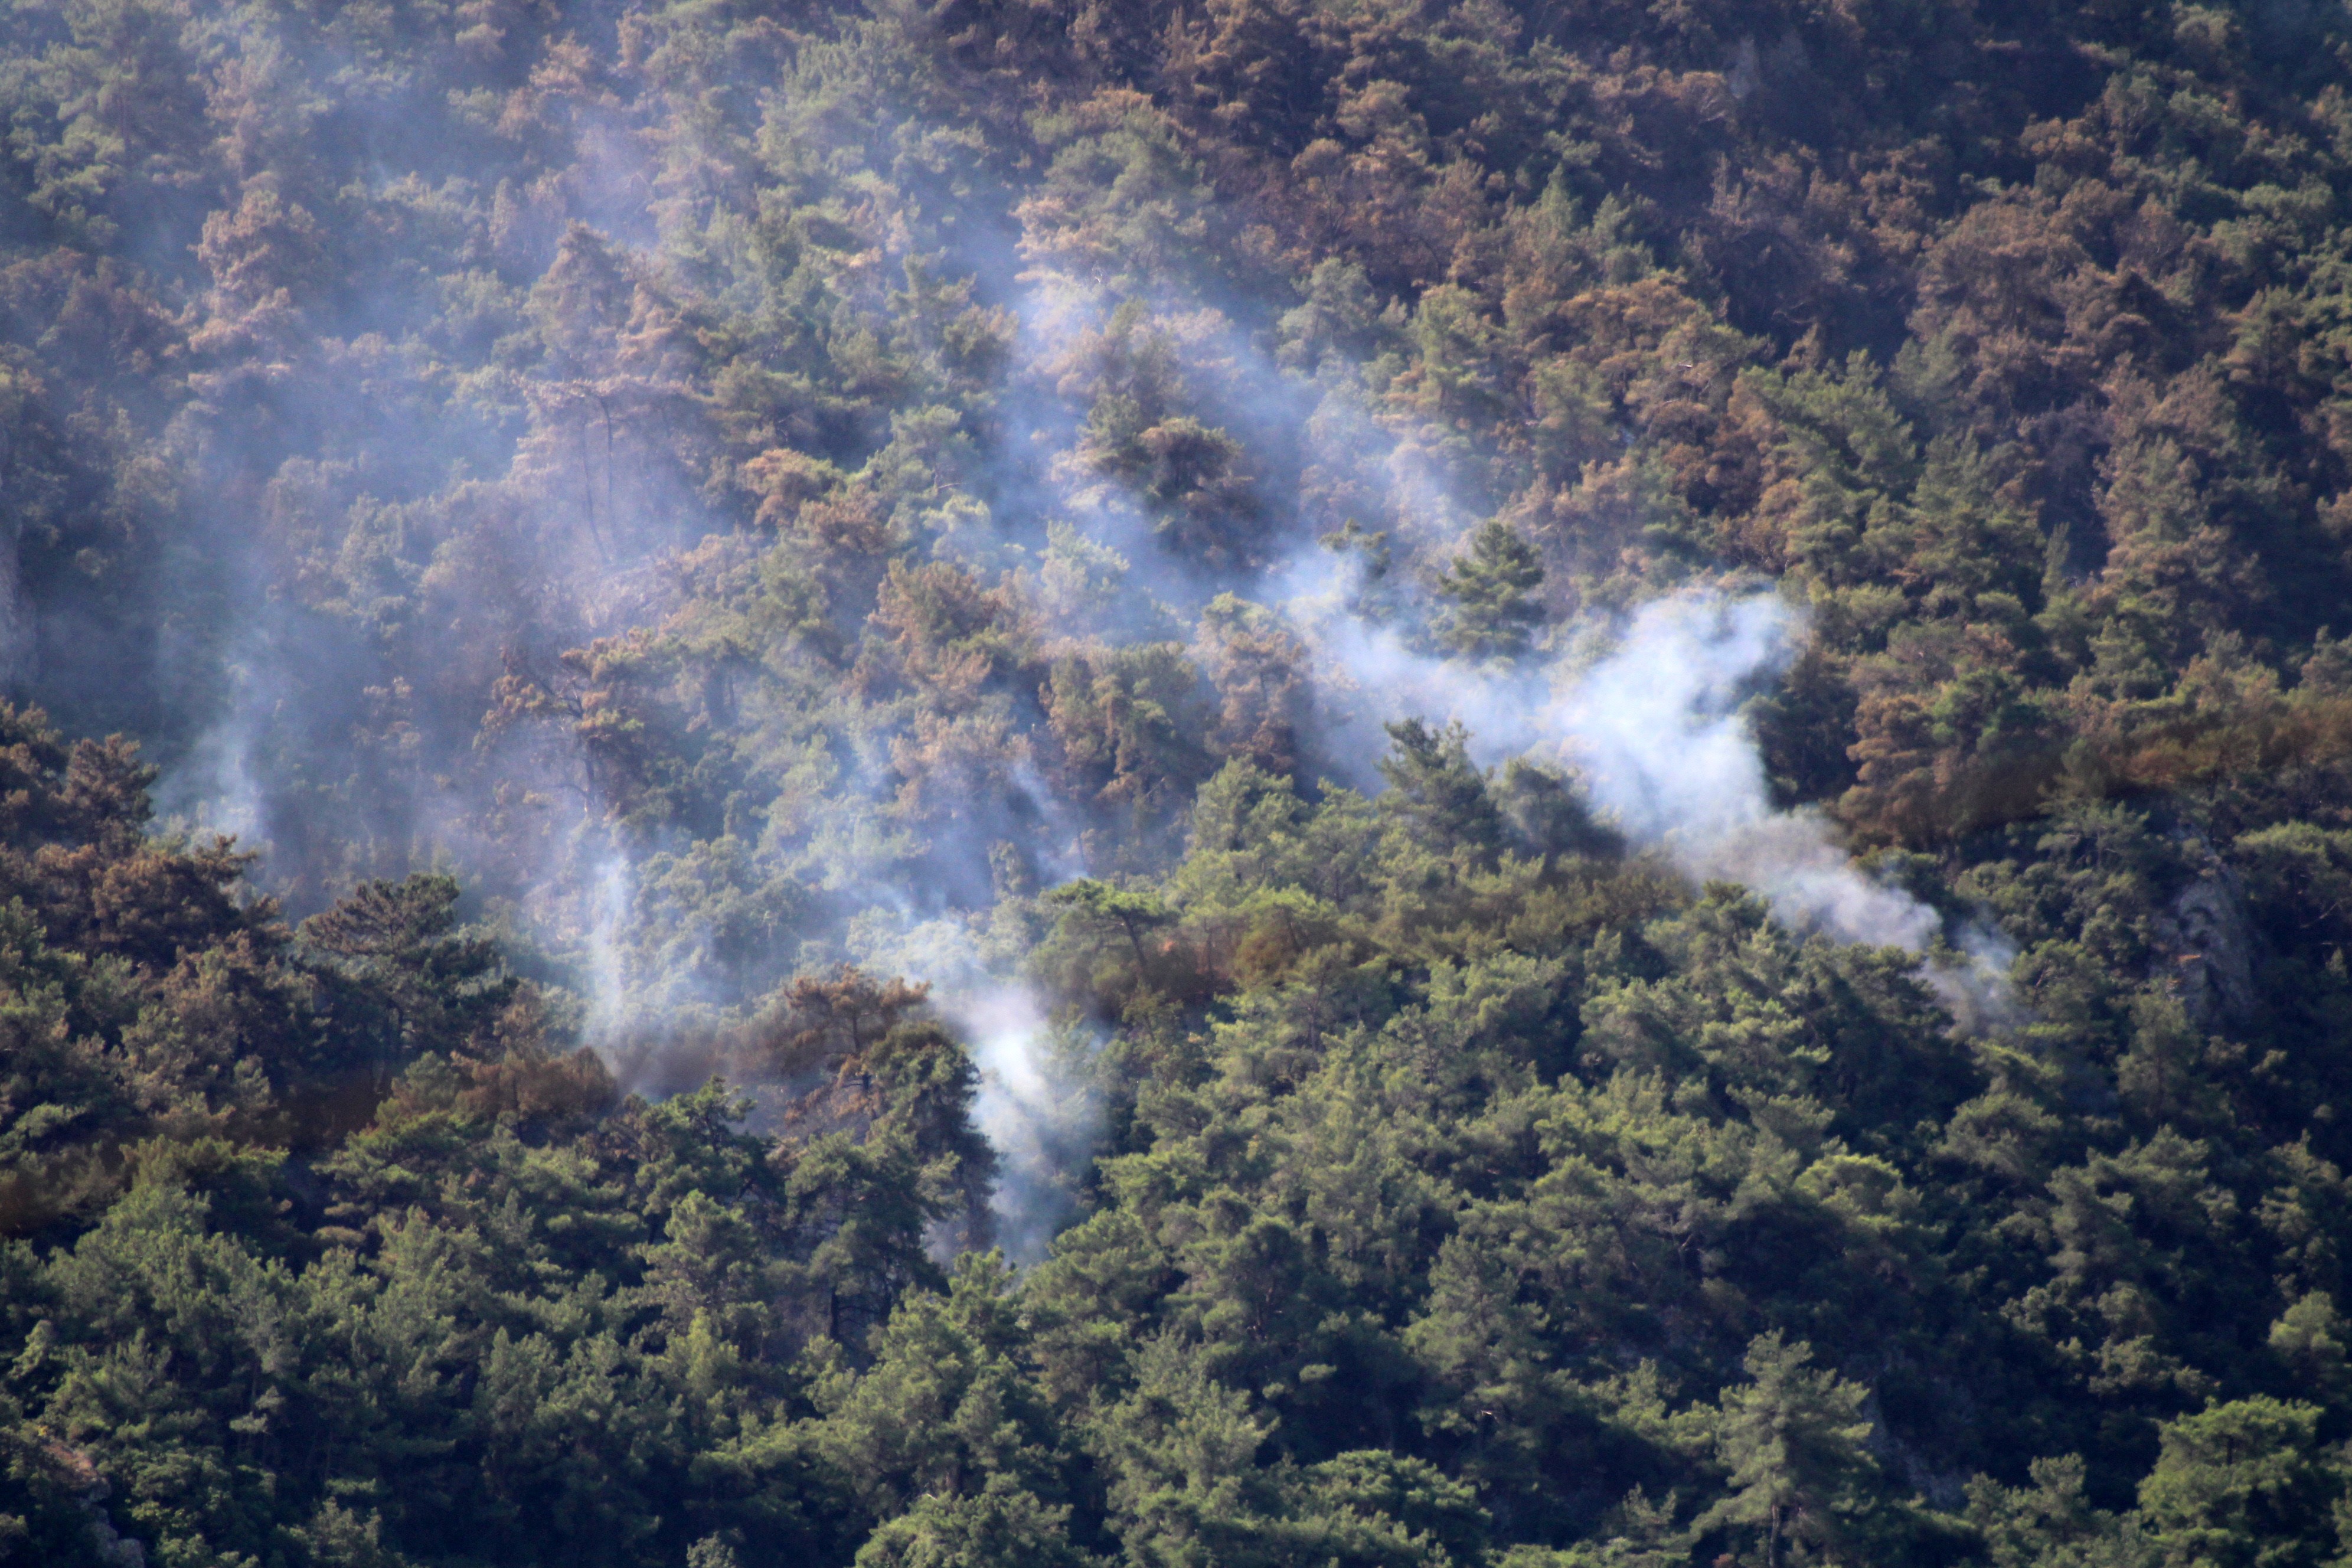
(1176,784)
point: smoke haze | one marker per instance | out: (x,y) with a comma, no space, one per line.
(1646,717)
(692,662)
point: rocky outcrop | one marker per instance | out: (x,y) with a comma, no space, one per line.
(2206,942)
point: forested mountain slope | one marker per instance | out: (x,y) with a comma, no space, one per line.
(1269,782)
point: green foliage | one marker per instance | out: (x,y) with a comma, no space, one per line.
(1791,1442)
(1492,587)
(640,506)
(2243,1483)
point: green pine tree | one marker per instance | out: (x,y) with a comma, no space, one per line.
(1493,613)
(1792,1439)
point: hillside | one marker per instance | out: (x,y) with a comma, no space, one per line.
(1267,784)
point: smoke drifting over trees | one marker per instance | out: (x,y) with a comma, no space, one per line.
(1585,764)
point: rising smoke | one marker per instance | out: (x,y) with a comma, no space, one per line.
(422,661)
(1652,730)
(1644,712)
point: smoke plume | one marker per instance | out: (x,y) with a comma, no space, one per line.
(1651,729)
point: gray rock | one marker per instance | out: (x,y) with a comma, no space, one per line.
(2206,943)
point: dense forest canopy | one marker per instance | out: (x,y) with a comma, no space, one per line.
(1262,784)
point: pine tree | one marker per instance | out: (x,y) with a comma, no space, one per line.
(1439,791)
(1493,614)
(2245,1485)
(1792,1439)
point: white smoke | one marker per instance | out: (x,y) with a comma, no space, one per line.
(1653,730)
(1036,1103)
(614,889)
(1040,1116)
